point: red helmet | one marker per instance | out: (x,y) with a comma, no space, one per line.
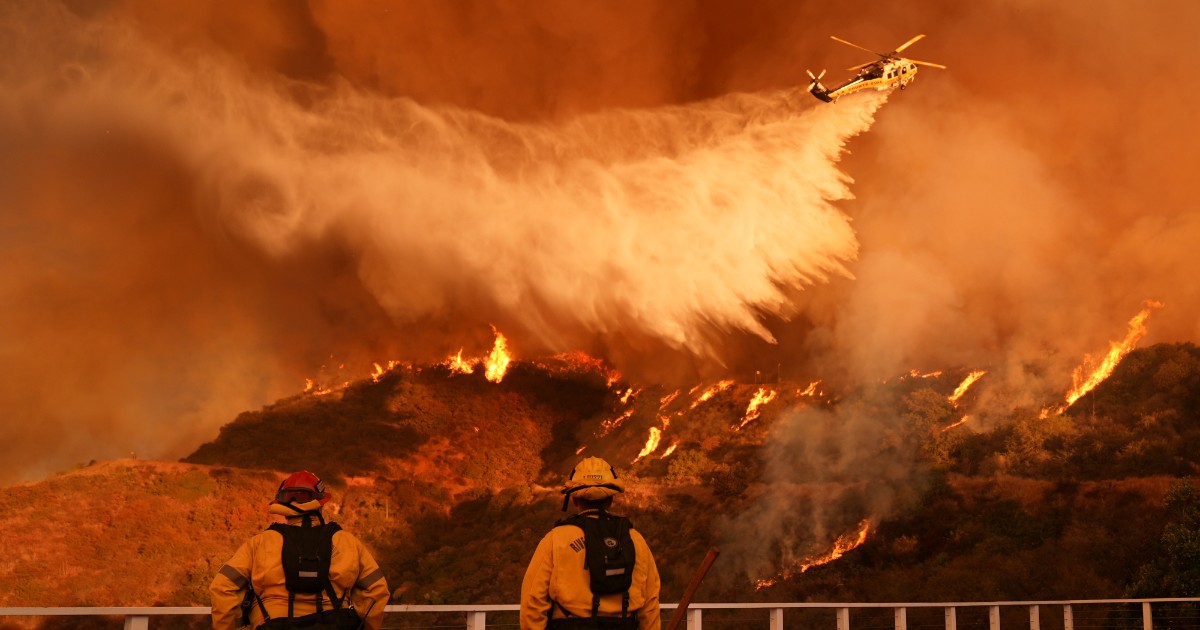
(301,487)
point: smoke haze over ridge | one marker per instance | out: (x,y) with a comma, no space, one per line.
(188,230)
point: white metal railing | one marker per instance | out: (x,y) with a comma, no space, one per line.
(138,618)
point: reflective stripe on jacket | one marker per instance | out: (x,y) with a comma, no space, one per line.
(261,559)
(558,571)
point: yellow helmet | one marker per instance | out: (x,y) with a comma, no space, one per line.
(593,478)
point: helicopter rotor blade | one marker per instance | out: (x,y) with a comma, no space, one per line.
(907,44)
(860,66)
(927,63)
(838,39)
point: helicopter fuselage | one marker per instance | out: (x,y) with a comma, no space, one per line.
(882,75)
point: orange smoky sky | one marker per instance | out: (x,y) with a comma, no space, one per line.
(202,203)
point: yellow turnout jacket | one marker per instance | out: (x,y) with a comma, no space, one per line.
(260,562)
(558,572)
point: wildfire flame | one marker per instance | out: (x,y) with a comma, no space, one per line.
(959,423)
(458,365)
(607,426)
(710,392)
(811,390)
(670,449)
(918,374)
(965,385)
(840,547)
(761,397)
(380,370)
(497,362)
(1117,351)
(629,393)
(651,443)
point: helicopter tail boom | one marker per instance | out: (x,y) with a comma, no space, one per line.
(816,89)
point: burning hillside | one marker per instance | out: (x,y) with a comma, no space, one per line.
(441,472)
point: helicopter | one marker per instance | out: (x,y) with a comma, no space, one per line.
(886,73)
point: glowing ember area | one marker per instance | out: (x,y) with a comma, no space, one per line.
(965,385)
(380,370)
(666,400)
(810,391)
(710,392)
(497,362)
(651,443)
(919,374)
(956,424)
(670,449)
(1117,351)
(840,547)
(761,397)
(311,388)
(607,426)
(459,366)
(579,361)
(581,449)
(629,393)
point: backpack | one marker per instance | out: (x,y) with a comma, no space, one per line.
(609,555)
(307,552)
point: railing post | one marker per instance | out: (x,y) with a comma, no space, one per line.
(476,620)
(843,619)
(951,618)
(1147,617)
(694,618)
(994,617)
(901,618)
(1068,618)
(1035,618)
(137,622)
(776,619)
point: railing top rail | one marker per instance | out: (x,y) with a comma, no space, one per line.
(432,608)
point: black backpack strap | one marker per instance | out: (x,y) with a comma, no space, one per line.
(251,596)
(554,604)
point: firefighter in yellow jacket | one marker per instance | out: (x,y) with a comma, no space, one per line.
(585,550)
(258,576)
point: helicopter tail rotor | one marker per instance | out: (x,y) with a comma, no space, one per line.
(816,80)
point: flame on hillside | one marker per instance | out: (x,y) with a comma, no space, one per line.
(380,370)
(670,449)
(840,547)
(919,374)
(495,364)
(956,424)
(811,390)
(761,397)
(580,362)
(458,365)
(1117,350)
(965,385)
(710,392)
(497,361)
(607,426)
(651,443)
(629,393)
